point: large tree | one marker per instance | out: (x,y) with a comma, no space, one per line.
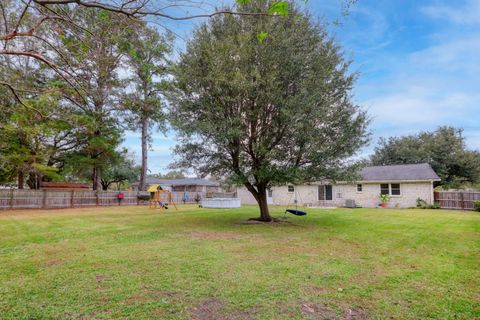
(444,149)
(95,52)
(264,111)
(147,59)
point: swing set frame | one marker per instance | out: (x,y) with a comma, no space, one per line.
(162,199)
(295,201)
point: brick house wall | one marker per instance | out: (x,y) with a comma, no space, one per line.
(368,197)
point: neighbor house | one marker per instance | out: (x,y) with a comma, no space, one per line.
(202,186)
(403,183)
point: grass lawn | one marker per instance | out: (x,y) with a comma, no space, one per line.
(136,263)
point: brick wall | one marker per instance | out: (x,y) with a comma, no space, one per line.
(369,197)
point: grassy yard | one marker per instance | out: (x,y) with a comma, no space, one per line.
(136,263)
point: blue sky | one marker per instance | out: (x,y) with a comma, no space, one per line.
(419,66)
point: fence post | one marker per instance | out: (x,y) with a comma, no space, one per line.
(96,198)
(11,198)
(72,198)
(462,201)
(44,201)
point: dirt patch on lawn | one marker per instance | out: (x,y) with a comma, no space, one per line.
(275,220)
(52,263)
(317,311)
(100,279)
(312,310)
(317,290)
(355,314)
(214,309)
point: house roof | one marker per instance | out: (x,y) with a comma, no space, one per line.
(182,182)
(401,172)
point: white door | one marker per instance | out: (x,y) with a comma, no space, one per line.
(269,196)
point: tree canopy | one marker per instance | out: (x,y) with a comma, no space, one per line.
(444,149)
(270,112)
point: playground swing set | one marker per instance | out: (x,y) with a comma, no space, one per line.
(161,199)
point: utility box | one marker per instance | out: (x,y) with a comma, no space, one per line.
(350,203)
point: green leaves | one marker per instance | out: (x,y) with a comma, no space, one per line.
(280,7)
(261,36)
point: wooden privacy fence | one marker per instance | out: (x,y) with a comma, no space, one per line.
(462,200)
(49,199)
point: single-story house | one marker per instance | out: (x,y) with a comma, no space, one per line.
(203,186)
(403,183)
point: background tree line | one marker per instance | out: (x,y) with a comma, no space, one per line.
(55,128)
(444,149)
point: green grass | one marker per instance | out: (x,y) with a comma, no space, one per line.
(136,263)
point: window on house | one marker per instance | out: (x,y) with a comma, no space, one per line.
(392,189)
(395,189)
(269,193)
(325,192)
(359,187)
(291,189)
(384,188)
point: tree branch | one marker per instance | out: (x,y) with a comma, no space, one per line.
(139,12)
(14,92)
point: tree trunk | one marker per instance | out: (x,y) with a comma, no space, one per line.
(99,179)
(20,180)
(143,173)
(262,203)
(96,178)
(260,194)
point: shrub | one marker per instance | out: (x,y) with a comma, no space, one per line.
(435,205)
(421,203)
(476,206)
(424,205)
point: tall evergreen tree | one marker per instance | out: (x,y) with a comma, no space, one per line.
(147,58)
(95,52)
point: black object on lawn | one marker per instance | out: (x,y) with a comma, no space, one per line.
(296,212)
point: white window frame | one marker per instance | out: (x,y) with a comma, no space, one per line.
(390,189)
(290,186)
(399,188)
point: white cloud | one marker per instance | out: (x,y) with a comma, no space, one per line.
(458,54)
(469,13)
